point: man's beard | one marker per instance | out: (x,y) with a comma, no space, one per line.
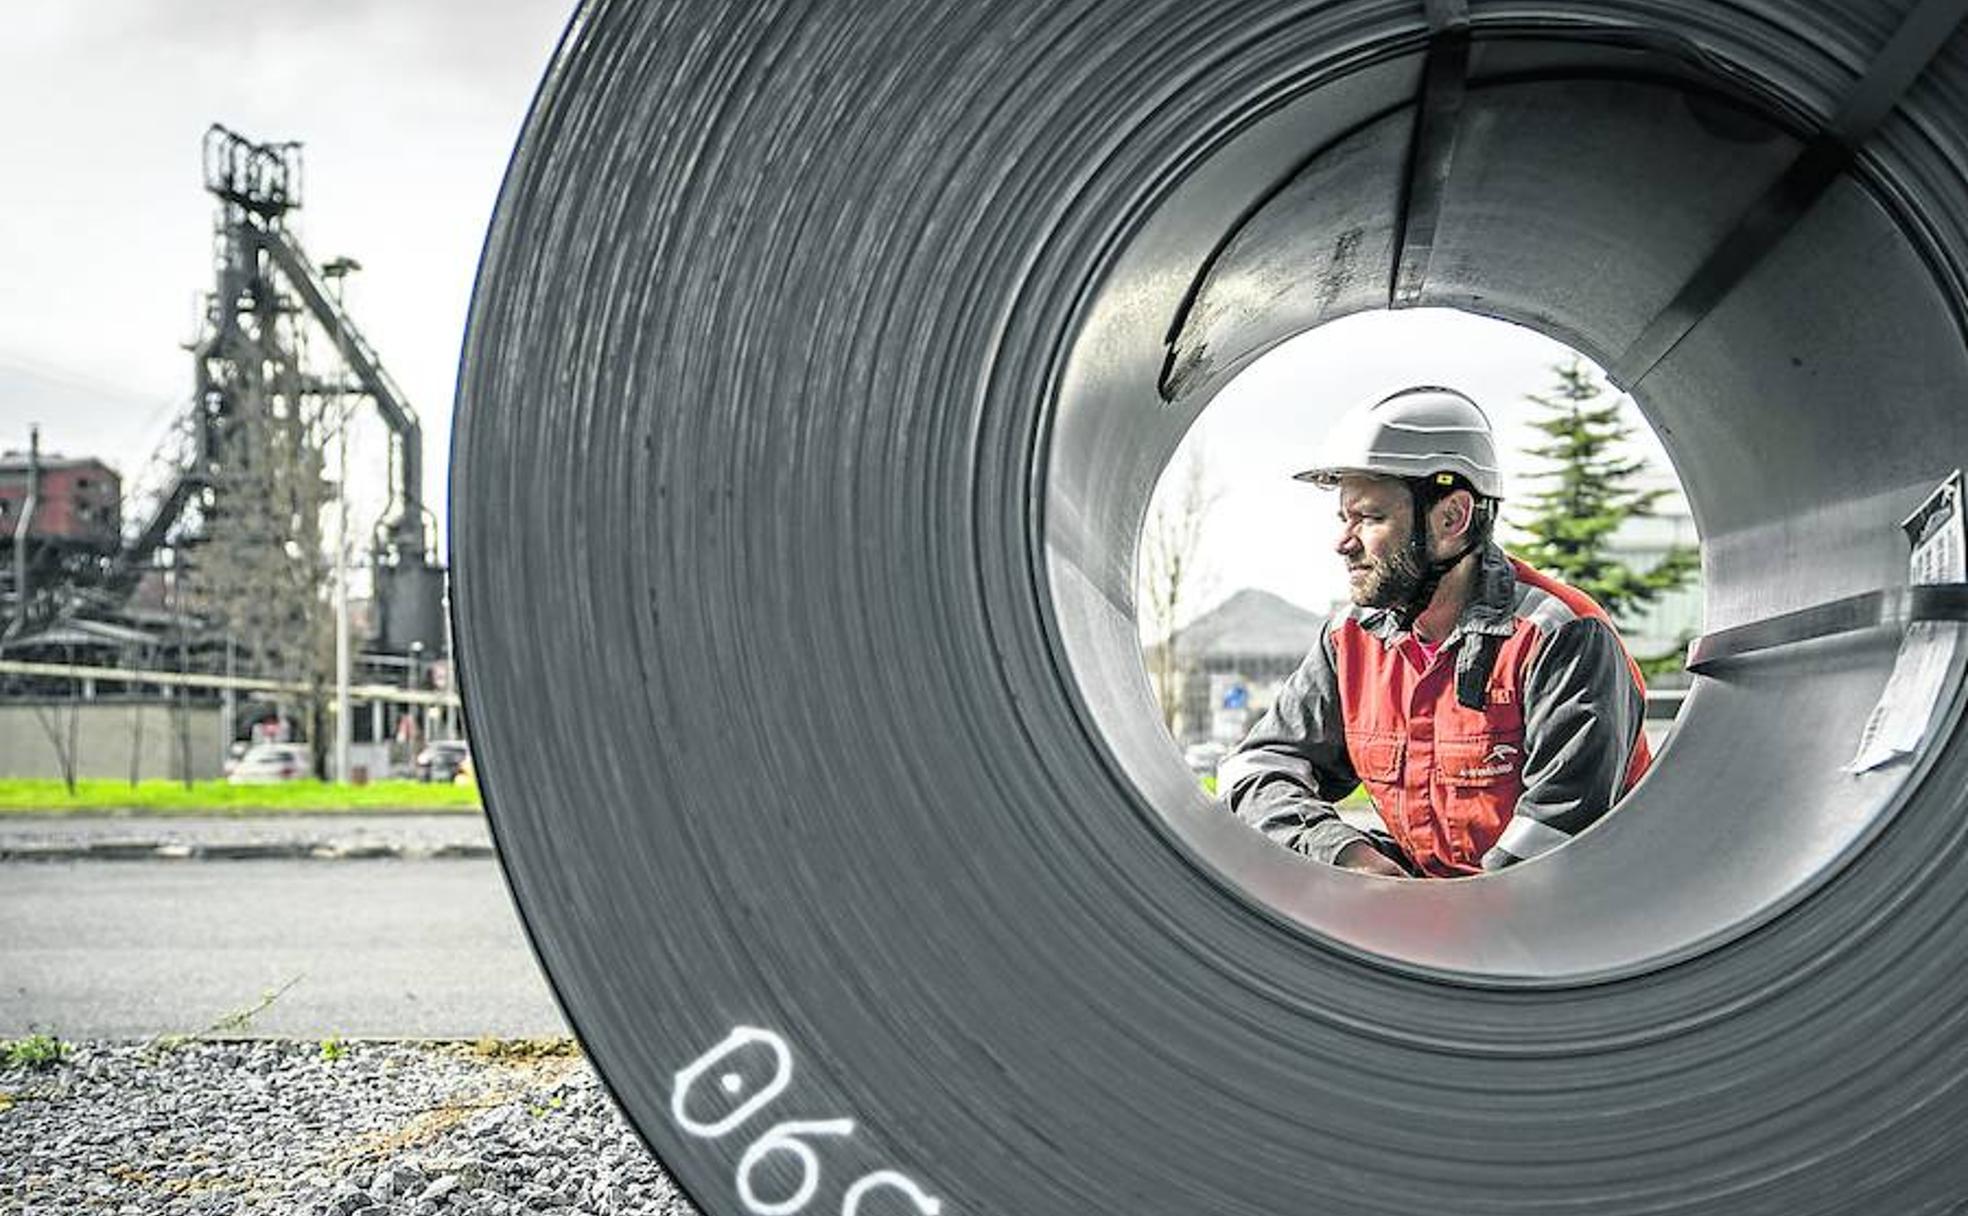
(1390,582)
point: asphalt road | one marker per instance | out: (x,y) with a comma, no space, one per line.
(386,948)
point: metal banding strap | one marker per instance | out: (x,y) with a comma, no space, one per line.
(1432,148)
(1438,112)
(1906,54)
(1894,607)
(1424,182)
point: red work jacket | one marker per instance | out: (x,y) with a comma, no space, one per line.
(1445,776)
(1521,731)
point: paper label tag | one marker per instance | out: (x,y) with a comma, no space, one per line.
(1927,652)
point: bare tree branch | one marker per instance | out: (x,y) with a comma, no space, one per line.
(1172,575)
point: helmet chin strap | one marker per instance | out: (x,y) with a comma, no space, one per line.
(1433,572)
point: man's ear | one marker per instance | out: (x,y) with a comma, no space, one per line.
(1453,514)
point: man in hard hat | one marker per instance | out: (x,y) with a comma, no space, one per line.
(1491,711)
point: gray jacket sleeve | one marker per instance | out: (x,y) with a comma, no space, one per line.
(1582,717)
(1284,777)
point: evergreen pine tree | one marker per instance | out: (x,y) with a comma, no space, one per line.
(1590,493)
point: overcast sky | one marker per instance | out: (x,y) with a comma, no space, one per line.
(408,112)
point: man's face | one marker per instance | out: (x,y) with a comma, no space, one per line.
(1375,519)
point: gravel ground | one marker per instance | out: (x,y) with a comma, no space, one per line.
(210,1128)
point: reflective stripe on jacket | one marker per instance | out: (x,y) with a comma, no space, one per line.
(1523,730)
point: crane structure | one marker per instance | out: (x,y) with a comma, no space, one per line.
(239,513)
(255,393)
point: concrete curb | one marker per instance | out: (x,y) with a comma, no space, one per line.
(272,850)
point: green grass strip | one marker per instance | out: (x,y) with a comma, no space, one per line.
(24,796)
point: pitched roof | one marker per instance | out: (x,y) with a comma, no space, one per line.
(1251,622)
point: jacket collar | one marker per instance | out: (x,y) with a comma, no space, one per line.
(1490,610)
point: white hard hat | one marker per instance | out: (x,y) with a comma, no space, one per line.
(1417,432)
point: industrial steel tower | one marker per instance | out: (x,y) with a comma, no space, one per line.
(260,416)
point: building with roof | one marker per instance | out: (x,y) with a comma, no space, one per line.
(1230,660)
(79,502)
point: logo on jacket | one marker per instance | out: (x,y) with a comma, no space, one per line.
(1499,762)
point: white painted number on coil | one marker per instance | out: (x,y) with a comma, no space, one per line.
(925,1203)
(785,1138)
(731,1082)
(791,1136)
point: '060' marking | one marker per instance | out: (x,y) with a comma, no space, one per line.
(791,1136)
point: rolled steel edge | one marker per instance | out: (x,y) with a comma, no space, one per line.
(808,811)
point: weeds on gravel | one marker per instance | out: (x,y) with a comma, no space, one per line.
(233,1022)
(544,1048)
(333,1049)
(516,1071)
(239,1019)
(36,1052)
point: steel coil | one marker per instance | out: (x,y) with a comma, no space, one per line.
(821,362)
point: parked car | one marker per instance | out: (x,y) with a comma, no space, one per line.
(268,763)
(1203,758)
(440,761)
